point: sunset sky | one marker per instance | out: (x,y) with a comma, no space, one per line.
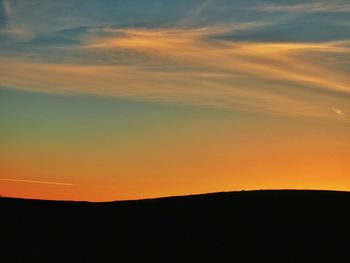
(108,100)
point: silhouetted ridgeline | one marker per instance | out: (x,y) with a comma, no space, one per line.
(251,226)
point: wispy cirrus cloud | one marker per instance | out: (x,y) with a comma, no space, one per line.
(36,182)
(192,60)
(7,7)
(311,7)
(266,60)
(189,65)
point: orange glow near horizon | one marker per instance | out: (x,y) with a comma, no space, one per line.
(270,161)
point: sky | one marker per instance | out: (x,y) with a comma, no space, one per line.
(106,100)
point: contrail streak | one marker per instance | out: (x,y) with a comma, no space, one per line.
(35,182)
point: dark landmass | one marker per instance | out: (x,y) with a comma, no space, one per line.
(248,226)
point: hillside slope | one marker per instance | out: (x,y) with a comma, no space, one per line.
(264,226)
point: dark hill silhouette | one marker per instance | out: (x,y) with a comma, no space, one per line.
(248,226)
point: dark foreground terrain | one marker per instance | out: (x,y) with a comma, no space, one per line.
(252,226)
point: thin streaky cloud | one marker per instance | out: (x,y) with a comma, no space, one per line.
(195,13)
(7,7)
(36,182)
(337,7)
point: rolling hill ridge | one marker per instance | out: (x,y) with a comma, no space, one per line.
(246,226)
